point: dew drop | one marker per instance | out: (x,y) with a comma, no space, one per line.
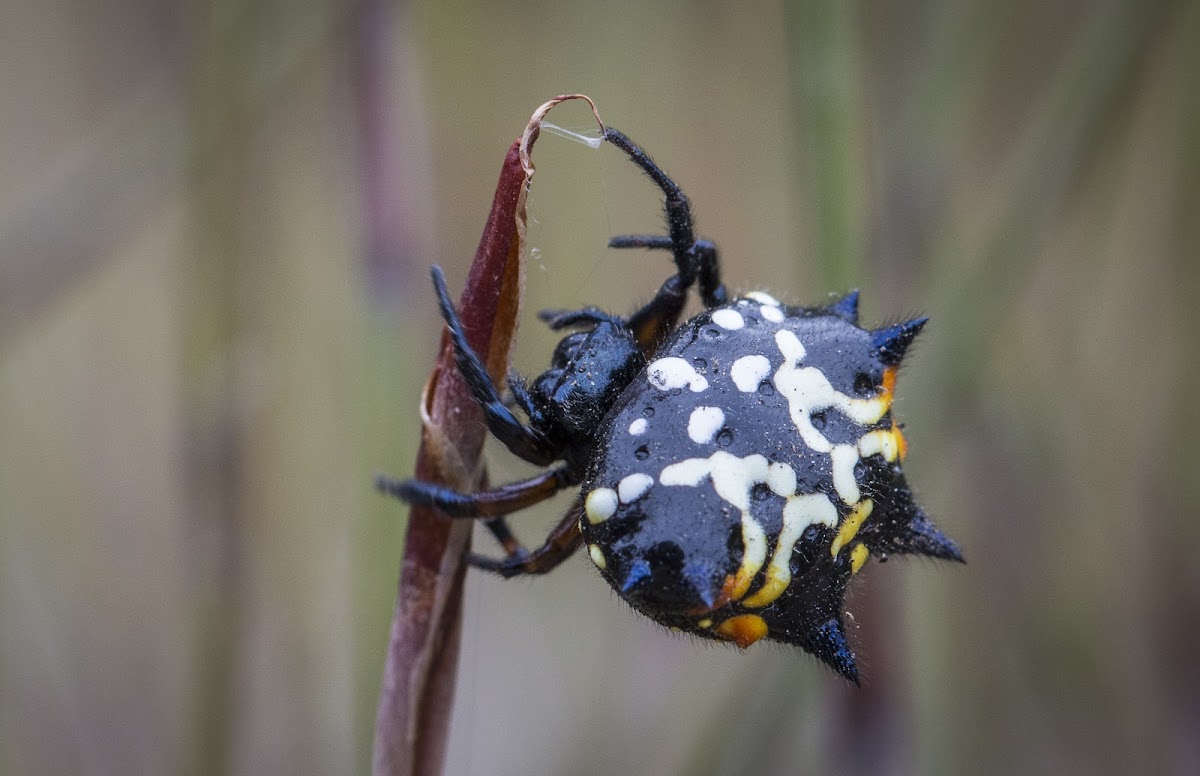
(642,453)
(725,438)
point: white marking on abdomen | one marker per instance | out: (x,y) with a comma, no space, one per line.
(673,372)
(762,297)
(728,319)
(781,479)
(843,459)
(798,514)
(600,504)
(772,314)
(633,487)
(734,479)
(704,424)
(748,371)
(639,426)
(808,390)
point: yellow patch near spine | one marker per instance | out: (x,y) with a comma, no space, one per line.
(849,529)
(901,442)
(743,630)
(879,443)
(858,556)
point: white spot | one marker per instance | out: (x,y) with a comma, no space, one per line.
(600,505)
(704,424)
(843,459)
(733,479)
(814,509)
(690,472)
(808,390)
(781,479)
(772,314)
(597,556)
(639,426)
(790,346)
(748,371)
(634,487)
(798,514)
(762,297)
(673,372)
(728,319)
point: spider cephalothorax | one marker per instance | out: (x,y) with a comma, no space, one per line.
(737,468)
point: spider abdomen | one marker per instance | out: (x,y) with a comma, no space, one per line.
(748,472)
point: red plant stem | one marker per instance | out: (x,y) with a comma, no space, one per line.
(419,676)
(415,702)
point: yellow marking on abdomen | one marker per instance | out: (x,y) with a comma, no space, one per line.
(858,556)
(753,556)
(743,630)
(849,529)
(597,556)
(880,442)
(798,514)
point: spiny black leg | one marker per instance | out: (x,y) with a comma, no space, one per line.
(651,324)
(524,442)
(521,397)
(653,242)
(487,503)
(654,321)
(695,260)
(562,319)
(559,545)
(712,290)
(510,544)
(708,266)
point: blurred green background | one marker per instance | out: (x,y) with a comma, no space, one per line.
(216,220)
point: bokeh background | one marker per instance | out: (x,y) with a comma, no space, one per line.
(216,219)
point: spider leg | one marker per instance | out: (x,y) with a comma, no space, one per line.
(520,395)
(653,322)
(510,543)
(562,319)
(486,503)
(559,545)
(521,440)
(696,261)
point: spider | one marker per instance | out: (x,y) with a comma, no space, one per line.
(737,469)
